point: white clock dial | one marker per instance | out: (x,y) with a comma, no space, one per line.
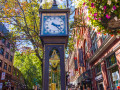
(54,25)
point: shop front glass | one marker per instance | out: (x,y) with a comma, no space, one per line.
(113,72)
(99,77)
(115,78)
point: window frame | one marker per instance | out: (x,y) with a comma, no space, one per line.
(86,46)
(9,68)
(8,45)
(108,60)
(94,43)
(10,58)
(0,63)
(97,68)
(7,55)
(5,65)
(2,52)
(3,41)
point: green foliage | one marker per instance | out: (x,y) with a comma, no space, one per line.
(101,12)
(30,66)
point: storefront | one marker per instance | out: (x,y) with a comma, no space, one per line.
(84,80)
(99,77)
(113,72)
(99,80)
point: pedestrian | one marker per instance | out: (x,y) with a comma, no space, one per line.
(108,88)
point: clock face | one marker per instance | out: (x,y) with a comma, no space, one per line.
(54,25)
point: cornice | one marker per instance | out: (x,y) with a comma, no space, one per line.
(108,41)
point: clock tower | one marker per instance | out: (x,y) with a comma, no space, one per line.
(54,31)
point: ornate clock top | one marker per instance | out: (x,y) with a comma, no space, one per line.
(54,6)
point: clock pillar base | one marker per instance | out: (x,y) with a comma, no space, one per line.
(61,49)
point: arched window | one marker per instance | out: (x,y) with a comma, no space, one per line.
(86,47)
(94,43)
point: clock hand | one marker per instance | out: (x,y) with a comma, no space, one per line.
(58,26)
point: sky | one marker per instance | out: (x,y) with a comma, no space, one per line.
(59,2)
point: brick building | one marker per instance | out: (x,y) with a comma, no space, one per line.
(6,58)
(98,65)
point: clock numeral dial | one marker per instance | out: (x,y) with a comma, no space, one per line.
(54,25)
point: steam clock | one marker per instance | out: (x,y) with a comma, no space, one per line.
(54,36)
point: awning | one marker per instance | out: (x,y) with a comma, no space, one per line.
(85,77)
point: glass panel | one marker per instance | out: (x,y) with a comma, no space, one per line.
(108,62)
(5,66)
(0,63)
(1,51)
(115,76)
(9,69)
(3,40)
(54,70)
(8,45)
(113,61)
(98,68)
(11,58)
(86,47)
(7,55)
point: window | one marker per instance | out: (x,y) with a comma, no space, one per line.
(8,45)
(111,60)
(104,36)
(0,63)
(3,40)
(5,66)
(114,76)
(98,68)
(2,51)
(9,68)
(78,11)
(6,55)
(87,65)
(94,43)
(86,47)
(11,58)
(12,48)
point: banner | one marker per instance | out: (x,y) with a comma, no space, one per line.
(76,66)
(1,85)
(3,76)
(81,58)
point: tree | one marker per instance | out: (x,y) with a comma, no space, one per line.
(103,14)
(23,17)
(30,66)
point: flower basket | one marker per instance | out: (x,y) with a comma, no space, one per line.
(112,24)
(104,14)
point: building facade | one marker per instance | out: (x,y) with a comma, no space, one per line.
(6,59)
(98,58)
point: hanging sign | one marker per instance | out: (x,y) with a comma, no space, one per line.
(76,66)
(81,58)
(99,77)
(115,76)
(3,76)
